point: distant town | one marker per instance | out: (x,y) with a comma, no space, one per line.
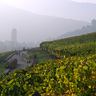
(14,44)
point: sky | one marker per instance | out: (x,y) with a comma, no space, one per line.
(33,5)
(42,6)
(90,1)
(37,6)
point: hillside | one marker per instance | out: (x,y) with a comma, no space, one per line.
(78,45)
(62,8)
(84,30)
(68,76)
(67,9)
(3,62)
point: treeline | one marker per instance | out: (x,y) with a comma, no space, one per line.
(78,45)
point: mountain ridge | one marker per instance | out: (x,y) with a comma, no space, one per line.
(29,25)
(84,30)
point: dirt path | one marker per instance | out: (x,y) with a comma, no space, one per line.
(21,63)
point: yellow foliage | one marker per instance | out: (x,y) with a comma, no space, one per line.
(89,86)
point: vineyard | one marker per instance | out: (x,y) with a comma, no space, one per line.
(79,45)
(74,74)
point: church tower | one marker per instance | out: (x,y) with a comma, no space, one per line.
(14,35)
(94,23)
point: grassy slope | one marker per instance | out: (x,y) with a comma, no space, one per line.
(2,67)
(41,55)
(3,62)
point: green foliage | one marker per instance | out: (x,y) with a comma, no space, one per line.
(3,62)
(4,55)
(79,45)
(2,67)
(41,55)
(73,76)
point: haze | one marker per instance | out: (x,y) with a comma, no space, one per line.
(40,20)
(49,7)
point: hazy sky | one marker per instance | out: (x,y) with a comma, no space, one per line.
(90,1)
(42,6)
(34,5)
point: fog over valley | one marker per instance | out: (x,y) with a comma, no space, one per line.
(38,21)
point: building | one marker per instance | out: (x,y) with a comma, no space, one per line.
(94,23)
(14,35)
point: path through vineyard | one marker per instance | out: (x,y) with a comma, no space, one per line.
(21,63)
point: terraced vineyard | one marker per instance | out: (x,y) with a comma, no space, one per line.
(74,76)
(79,45)
(68,76)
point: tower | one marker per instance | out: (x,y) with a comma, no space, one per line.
(94,23)
(14,35)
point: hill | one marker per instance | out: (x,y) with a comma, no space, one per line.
(78,45)
(84,30)
(3,62)
(67,9)
(62,8)
(29,25)
(68,76)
